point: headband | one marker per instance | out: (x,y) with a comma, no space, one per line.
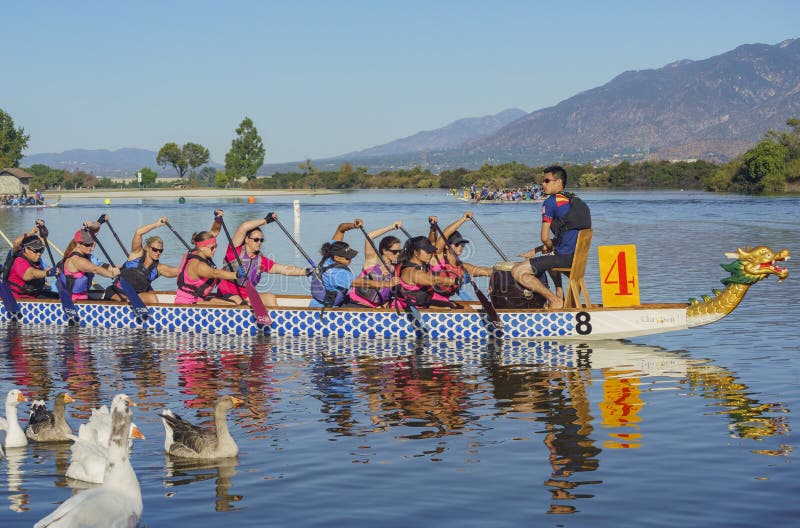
(207,242)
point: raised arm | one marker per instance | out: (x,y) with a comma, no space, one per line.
(244,227)
(370,257)
(216,226)
(452,228)
(347,226)
(136,243)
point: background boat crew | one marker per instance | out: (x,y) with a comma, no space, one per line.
(373,269)
(143,265)
(24,270)
(77,269)
(556,253)
(248,241)
(444,263)
(417,283)
(197,273)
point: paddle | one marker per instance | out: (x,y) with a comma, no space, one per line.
(11,304)
(314,268)
(413,309)
(104,219)
(260,311)
(495,246)
(64,296)
(188,247)
(141,311)
(485,302)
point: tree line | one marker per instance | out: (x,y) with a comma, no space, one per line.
(772,165)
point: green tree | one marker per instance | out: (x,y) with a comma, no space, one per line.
(207,176)
(171,155)
(13,141)
(195,155)
(221,180)
(148,176)
(762,170)
(182,159)
(246,155)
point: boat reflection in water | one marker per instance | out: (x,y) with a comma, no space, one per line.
(566,402)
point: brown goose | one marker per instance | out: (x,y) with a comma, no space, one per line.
(185,440)
(47,426)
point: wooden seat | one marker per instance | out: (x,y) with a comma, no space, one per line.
(577,285)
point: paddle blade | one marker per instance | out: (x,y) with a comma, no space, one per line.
(12,307)
(70,312)
(139,308)
(259,310)
(488,307)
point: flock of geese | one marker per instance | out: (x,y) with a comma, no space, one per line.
(100,453)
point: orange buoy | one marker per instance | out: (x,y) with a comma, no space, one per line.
(251,199)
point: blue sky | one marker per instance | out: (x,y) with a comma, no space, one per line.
(321,78)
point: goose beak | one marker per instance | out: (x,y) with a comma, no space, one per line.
(68,398)
(136,432)
(21,397)
(236,401)
(130,402)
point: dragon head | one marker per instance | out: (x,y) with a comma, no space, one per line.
(753,264)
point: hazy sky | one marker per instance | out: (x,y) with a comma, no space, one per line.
(321,78)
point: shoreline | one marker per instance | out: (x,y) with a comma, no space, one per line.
(182,193)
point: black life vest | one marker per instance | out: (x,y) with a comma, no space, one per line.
(30,287)
(328,298)
(578,216)
(202,289)
(139,276)
(416,294)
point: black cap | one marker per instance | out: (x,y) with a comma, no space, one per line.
(342,249)
(33,242)
(456,239)
(421,242)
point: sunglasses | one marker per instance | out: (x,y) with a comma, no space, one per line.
(394,251)
(256,240)
(157,250)
(548,180)
(90,244)
(37,251)
(212,248)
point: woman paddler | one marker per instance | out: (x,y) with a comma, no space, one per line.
(417,283)
(24,270)
(444,262)
(374,269)
(143,265)
(77,267)
(197,274)
(248,243)
(332,291)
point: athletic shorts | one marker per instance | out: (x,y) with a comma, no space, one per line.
(543,263)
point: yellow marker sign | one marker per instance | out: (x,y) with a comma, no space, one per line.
(619,275)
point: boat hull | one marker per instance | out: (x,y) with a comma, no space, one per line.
(466,322)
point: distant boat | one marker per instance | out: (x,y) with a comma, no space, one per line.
(502,202)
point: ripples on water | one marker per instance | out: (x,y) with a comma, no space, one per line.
(695,431)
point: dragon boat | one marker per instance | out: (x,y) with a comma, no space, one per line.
(467,320)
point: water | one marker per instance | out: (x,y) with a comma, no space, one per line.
(691,428)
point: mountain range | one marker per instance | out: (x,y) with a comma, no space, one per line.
(711,109)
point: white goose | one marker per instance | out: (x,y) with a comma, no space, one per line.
(117,503)
(47,426)
(89,451)
(185,440)
(15,436)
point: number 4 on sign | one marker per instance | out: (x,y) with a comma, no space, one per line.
(619,281)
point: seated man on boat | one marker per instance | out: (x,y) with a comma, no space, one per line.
(248,243)
(77,268)
(375,268)
(418,285)
(446,262)
(143,265)
(24,270)
(197,273)
(331,283)
(564,215)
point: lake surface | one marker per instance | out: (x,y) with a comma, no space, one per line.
(692,428)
